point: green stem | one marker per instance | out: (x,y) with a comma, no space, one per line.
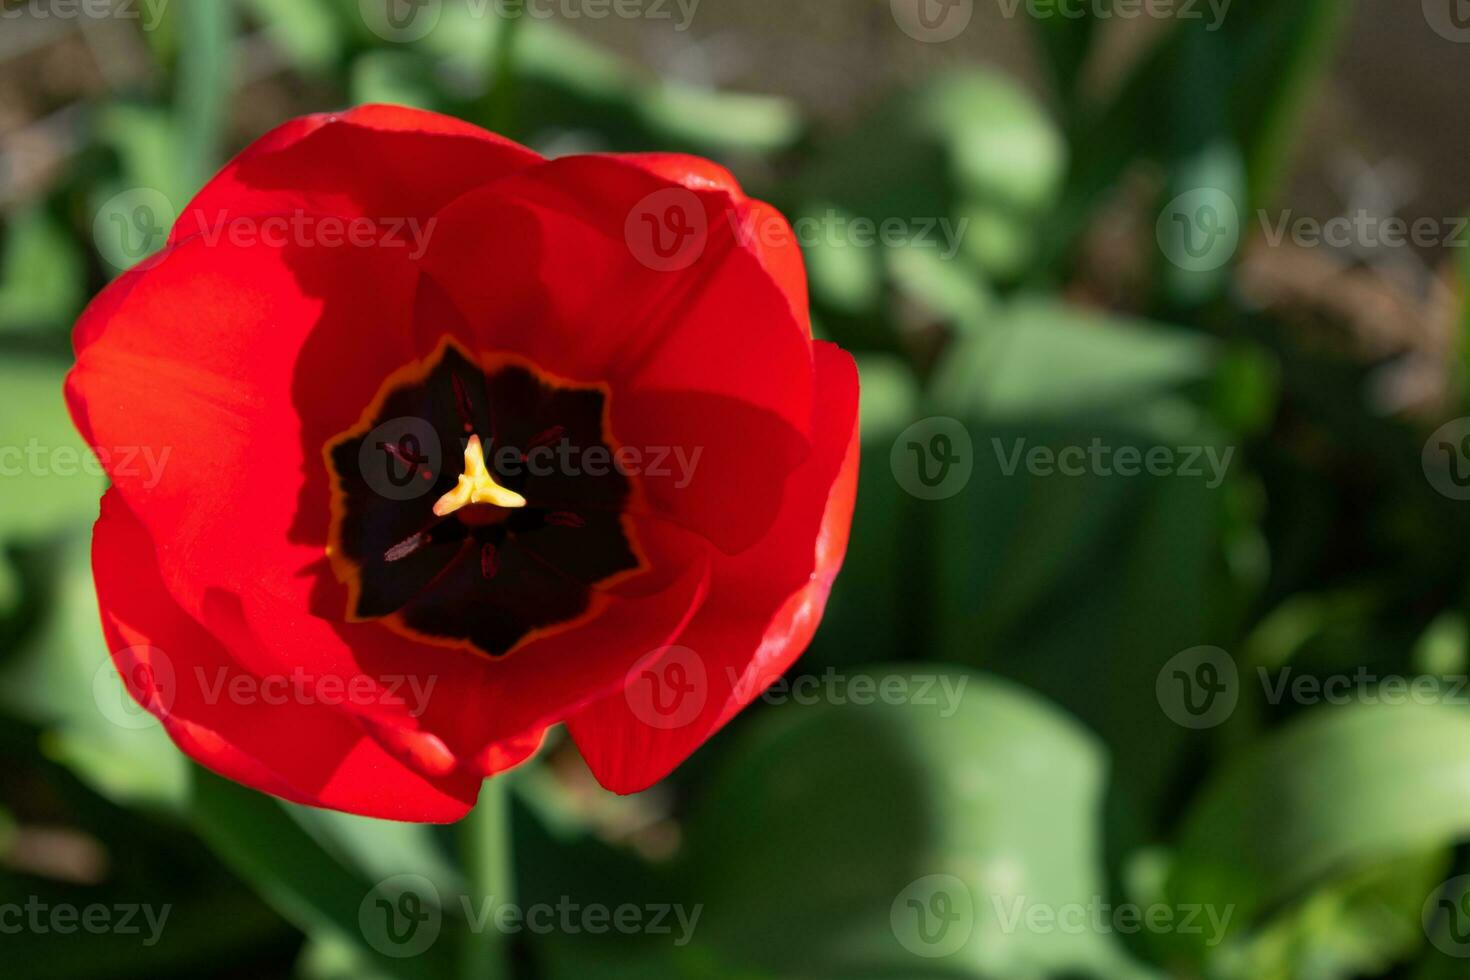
(489,864)
(501,97)
(203,96)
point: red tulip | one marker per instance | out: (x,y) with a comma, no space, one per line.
(462,443)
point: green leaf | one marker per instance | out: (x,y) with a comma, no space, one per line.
(1041,358)
(722,121)
(971,146)
(1003,149)
(1239,85)
(1066,41)
(205,74)
(1359,925)
(877,601)
(42,275)
(305,29)
(1281,51)
(395,78)
(52,481)
(1033,564)
(253,834)
(986,796)
(378,849)
(62,678)
(1340,792)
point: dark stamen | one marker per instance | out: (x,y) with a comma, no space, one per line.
(462,403)
(406,547)
(549,436)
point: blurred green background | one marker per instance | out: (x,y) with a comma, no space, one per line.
(1178,743)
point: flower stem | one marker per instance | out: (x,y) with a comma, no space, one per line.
(501,95)
(489,864)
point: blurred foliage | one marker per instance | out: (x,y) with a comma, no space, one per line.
(1053,603)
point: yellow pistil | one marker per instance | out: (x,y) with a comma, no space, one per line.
(476,485)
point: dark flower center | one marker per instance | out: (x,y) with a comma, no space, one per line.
(477,504)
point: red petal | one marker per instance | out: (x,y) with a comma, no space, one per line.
(227,374)
(377,161)
(241,508)
(762,611)
(694,357)
(308,754)
(764,230)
